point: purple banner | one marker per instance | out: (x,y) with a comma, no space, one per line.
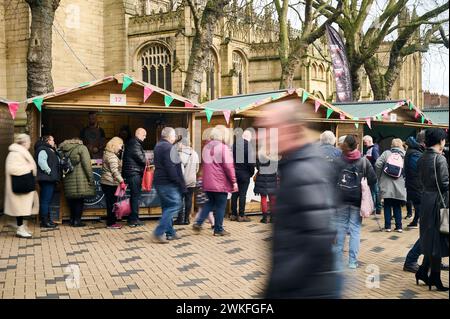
(340,66)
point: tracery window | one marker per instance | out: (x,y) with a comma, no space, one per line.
(156,64)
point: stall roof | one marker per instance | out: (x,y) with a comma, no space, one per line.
(437,115)
(368,109)
(119,78)
(245,102)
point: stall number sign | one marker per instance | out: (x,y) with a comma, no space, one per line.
(118,99)
(393,117)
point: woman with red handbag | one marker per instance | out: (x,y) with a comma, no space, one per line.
(112,178)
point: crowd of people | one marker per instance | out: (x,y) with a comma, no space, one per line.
(313,189)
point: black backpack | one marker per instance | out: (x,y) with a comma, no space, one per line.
(349,184)
(67,166)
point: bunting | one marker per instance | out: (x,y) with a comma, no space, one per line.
(227,114)
(38,102)
(305,96)
(188,104)
(316,105)
(342,116)
(13,107)
(167,100)
(147,92)
(369,122)
(356,123)
(329,112)
(126,82)
(209,114)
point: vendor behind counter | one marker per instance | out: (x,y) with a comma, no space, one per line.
(93,136)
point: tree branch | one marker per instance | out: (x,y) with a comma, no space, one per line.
(195,15)
(443,36)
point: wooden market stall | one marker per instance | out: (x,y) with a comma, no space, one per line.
(119,101)
(6,139)
(243,109)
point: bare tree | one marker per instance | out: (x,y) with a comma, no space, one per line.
(205,20)
(39,59)
(362,45)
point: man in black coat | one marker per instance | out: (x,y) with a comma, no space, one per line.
(303,260)
(244,166)
(133,167)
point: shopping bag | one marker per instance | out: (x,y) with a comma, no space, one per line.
(120,192)
(122,208)
(147,178)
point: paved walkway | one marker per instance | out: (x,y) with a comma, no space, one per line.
(125,264)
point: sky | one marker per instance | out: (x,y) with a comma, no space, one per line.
(435,71)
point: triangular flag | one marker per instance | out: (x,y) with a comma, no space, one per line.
(147,92)
(416,115)
(13,107)
(329,112)
(410,105)
(305,96)
(342,116)
(38,102)
(356,124)
(369,122)
(316,105)
(291,91)
(423,119)
(188,104)
(379,117)
(126,82)
(227,115)
(167,100)
(209,113)
(84,84)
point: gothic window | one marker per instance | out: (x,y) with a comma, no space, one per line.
(239,68)
(314,71)
(321,75)
(210,75)
(156,66)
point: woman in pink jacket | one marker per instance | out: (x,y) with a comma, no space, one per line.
(219,178)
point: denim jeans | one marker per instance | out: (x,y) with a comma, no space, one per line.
(135,184)
(171,205)
(413,254)
(390,205)
(217,202)
(347,219)
(45,199)
(242,195)
(376,197)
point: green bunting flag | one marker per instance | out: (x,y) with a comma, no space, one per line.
(84,84)
(329,112)
(305,96)
(167,100)
(126,82)
(38,102)
(356,124)
(379,117)
(410,105)
(209,114)
(423,119)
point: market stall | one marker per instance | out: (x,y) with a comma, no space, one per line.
(121,105)
(8,111)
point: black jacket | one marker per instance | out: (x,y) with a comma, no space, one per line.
(303,260)
(370,174)
(52,162)
(244,167)
(168,166)
(432,242)
(412,180)
(266,182)
(133,158)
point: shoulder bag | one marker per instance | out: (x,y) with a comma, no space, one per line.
(23,184)
(443,227)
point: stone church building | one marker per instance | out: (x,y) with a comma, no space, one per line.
(151,41)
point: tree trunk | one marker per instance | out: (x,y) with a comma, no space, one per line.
(39,59)
(201,46)
(376,79)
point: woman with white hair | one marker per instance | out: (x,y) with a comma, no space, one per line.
(21,198)
(327,142)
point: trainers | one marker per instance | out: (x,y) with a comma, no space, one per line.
(114,226)
(413,225)
(22,232)
(411,268)
(135,223)
(174,237)
(399,230)
(353,265)
(387,230)
(222,233)
(244,219)
(159,239)
(197,228)
(233,218)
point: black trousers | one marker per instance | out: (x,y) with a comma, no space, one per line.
(135,184)
(110,200)
(183,216)
(76,206)
(242,196)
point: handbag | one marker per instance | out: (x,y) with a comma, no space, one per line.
(120,192)
(23,184)
(122,207)
(147,178)
(443,212)
(367,206)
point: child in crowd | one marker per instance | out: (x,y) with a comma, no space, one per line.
(201,198)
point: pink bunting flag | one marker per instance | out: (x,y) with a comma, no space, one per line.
(342,116)
(227,116)
(369,122)
(316,105)
(291,91)
(13,107)
(147,92)
(416,115)
(188,104)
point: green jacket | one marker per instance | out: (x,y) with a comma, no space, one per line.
(79,183)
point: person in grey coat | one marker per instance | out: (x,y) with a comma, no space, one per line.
(433,173)
(392,190)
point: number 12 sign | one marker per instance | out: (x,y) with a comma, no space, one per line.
(118,99)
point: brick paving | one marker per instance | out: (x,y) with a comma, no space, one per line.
(125,264)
